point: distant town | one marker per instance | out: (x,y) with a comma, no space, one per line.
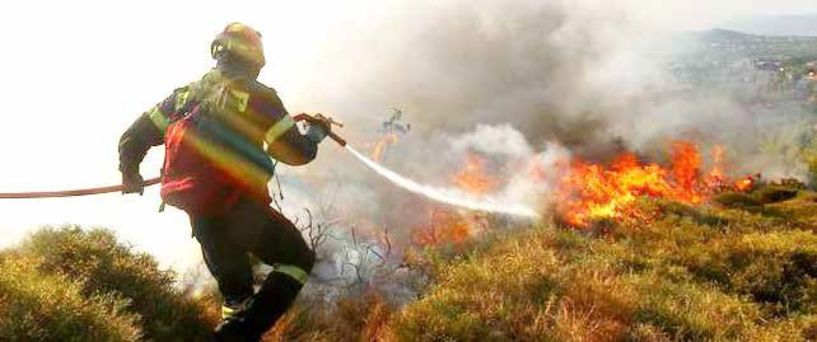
(755,69)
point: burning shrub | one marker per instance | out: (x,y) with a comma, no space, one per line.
(591,192)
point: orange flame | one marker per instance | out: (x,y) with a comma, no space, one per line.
(591,191)
(450,226)
(472,177)
(446,226)
(745,184)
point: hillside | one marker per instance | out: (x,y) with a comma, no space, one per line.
(742,268)
(730,44)
(782,25)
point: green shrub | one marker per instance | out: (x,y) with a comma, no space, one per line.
(106,267)
(775,193)
(35,306)
(737,200)
(778,269)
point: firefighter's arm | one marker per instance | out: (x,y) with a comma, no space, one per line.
(147,131)
(286,143)
(133,146)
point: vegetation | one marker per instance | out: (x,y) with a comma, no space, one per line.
(743,268)
(720,273)
(69,284)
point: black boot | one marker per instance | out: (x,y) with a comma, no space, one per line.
(265,308)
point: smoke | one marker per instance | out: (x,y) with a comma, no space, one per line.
(500,139)
(522,84)
(553,70)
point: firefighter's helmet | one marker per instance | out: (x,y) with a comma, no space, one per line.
(241,42)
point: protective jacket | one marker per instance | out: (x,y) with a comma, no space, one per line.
(219,133)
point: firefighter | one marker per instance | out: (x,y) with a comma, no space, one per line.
(219,133)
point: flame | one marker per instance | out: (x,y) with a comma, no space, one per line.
(592,192)
(472,177)
(745,184)
(716,178)
(447,226)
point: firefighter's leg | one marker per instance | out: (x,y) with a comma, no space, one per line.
(227,261)
(276,241)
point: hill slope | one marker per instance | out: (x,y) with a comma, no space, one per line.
(744,271)
(784,25)
(744,268)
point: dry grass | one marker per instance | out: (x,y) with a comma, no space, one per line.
(720,273)
(744,268)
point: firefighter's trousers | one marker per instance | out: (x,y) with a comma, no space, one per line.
(252,228)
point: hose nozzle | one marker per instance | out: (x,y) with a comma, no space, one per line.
(323,120)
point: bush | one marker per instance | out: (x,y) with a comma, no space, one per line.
(35,306)
(107,267)
(92,268)
(777,269)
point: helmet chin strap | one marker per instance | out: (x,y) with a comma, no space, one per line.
(236,68)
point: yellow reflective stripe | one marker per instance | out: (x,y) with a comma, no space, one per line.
(294,272)
(227,312)
(159,119)
(279,128)
(181,99)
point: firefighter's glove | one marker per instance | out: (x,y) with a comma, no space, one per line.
(318,129)
(132,183)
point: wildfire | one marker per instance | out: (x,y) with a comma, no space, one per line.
(472,177)
(592,191)
(447,225)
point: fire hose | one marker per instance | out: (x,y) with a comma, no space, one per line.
(71,193)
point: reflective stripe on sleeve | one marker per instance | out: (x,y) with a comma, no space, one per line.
(293,272)
(181,99)
(159,119)
(278,128)
(227,312)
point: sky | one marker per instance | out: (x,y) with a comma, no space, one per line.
(77,73)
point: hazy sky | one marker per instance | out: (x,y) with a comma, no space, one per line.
(703,14)
(75,74)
